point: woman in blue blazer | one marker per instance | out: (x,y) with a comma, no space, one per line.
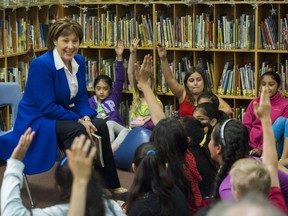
(55,105)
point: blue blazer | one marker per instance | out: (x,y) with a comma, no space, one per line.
(47,99)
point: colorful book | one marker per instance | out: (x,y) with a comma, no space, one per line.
(140,121)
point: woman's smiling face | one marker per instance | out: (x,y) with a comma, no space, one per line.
(67,46)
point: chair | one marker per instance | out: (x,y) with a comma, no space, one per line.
(10,95)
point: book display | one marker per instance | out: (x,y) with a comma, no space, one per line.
(234,41)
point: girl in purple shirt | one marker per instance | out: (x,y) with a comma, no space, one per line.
(107,99)
(229,143)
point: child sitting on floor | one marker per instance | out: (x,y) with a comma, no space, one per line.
(107,100)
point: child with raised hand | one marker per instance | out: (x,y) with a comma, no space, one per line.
(106,100)
(142,77)
(194,85)
(11,203)
(170,137)
(80,159)
(248,175)
(139,106)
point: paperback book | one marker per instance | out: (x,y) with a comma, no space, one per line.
(140,121)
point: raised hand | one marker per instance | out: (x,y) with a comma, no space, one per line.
(80,158)
(142,76)
(262,110)
(119,48)
(134,45)
(162,53)
(23,145)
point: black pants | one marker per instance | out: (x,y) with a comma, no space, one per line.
(66,132)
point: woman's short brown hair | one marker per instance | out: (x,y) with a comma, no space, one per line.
(63,27)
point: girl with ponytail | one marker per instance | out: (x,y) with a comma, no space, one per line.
(152,191)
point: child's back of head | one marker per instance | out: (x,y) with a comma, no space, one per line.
(151,177)
(249,175)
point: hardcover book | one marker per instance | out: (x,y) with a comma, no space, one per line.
(97,141)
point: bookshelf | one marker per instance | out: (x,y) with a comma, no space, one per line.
(247,34)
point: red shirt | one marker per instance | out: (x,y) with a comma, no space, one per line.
(185,108)
(193,176)
(276,197)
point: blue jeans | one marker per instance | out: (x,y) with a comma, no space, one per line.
(280,129)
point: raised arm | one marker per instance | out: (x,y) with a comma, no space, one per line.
(11,202)
(80,161)
(177,89)
(119,50)
(117,89)
(30,51)
(142,77)
(132,60)
(270,158)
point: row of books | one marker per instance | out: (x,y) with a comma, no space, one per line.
(268,34)
(20,35)
(17,37)
(237,34)
(238,112)
(15,74)
(6,3)
(283,73)
(237,80)
(283,27)
(1,37)
(104,66)
(106,29)
(161,83)
(204,33)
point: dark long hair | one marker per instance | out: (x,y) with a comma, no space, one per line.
(275,76)
(234,147)
(211,111)
(103,78)
(151,177)
(170,136)
(195,130)
(189,72)
(94,199)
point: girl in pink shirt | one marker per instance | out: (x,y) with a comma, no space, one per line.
(279,107)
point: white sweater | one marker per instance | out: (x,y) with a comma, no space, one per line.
(11,202)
